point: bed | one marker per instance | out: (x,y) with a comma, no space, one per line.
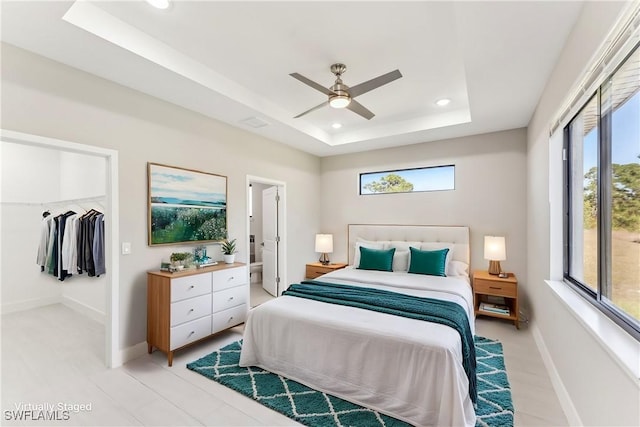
(406,368)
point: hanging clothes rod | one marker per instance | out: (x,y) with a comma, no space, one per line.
(58,202)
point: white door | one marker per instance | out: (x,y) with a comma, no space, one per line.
(270,240)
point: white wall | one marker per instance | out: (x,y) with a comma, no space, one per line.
(601,392)
(43,97)
(30,176)
(37,176)
(82,175)
(488,197)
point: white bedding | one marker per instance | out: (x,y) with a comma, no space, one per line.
(409,369)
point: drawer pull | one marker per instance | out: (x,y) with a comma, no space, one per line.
(230,298)
(190,310)
(319,272)
(230,319)
(230,278)
(192,332)
(493,287)
(192,286)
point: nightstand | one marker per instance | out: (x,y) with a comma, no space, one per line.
(316,269)
(490,289)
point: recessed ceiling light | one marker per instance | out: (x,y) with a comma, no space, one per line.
(336,125)
(442,102)
(160,4)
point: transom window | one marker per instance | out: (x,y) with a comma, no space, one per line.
(432,178)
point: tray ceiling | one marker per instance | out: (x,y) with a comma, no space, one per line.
(231,61)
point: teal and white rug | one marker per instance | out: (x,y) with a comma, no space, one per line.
(314,408)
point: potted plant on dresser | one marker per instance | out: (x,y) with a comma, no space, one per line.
(178,259)
(229,250)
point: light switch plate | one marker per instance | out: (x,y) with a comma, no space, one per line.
(126,248)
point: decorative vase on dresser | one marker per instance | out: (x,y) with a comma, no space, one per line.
(188,306)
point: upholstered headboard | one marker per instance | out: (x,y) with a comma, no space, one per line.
(458,235)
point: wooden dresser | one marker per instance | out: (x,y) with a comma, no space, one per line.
(187,306)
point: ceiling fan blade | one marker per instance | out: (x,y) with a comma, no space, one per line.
(369,85)
(311,83)
(312,109)
(358,108)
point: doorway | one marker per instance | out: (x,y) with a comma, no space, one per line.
(266,232)
(112,356)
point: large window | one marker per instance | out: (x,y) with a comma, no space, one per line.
(602,197)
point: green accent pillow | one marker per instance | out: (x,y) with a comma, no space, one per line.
(376,259)
(428,262)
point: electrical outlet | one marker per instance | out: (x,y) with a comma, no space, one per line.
(126,248)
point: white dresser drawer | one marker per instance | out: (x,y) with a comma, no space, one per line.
(190,309)
(228,318)
(189,332)
(190,286)
(228,298)
(229,278)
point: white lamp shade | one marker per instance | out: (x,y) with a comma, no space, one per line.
(324,243)
(495,248)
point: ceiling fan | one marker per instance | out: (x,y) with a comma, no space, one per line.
(341,95)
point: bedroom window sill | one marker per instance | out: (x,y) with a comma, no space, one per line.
(622,347)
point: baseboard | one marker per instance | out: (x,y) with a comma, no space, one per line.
(132,352)
(13,307)
(84,309)
(563,395)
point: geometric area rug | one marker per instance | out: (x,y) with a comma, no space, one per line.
(317,409)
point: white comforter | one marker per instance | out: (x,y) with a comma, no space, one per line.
(409,369)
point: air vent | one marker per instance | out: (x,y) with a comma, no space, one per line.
(254,122)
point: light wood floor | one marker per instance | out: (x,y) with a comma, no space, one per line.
(54,355)
(258,295)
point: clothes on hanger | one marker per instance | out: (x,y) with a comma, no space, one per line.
(69,244)
(43,247)
(61,221)
(85,248)
(98,245)
(72,244)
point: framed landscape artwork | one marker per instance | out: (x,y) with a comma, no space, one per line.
(185,206)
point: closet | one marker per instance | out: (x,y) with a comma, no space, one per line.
(38,182)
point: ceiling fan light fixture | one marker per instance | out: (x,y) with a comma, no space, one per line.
(442,102)
(340,95)
(340,101)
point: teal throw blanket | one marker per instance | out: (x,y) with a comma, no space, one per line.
(428,309)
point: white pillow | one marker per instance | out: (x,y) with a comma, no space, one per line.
(434,246)
(400,261)
(366,244)
(457,268)
(402,254)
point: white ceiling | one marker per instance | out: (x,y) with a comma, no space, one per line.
(232,60)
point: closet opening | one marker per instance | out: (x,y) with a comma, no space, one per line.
(70,192)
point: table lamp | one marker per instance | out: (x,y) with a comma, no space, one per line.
(324,245)
(494,251)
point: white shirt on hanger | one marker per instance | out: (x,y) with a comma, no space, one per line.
(43,247)
(69,249)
